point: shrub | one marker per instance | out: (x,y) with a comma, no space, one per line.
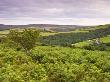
(100,47)
(26,39)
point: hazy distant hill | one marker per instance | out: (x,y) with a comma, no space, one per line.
(52,27)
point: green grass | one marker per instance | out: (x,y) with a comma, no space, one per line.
(4,32)
(86,43)
(78,30)
(47,33)
(82,44)
(53,33)
(105,39)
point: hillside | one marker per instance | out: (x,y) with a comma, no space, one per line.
(52,27)
(54,64)
(53,58)
(66,39)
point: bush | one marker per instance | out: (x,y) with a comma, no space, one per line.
(107,44)
(26,38)
(100,47)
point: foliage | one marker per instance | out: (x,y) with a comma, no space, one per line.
(101,47)
(54,64)
(66,39)
(26,38)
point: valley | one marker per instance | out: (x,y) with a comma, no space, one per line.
(79,55)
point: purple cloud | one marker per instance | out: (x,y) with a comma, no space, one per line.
(54,9)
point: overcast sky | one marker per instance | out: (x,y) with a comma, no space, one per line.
(74,12)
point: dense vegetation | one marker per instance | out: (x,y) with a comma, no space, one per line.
(66,39)
(26,38)
(90,63)
(54,64)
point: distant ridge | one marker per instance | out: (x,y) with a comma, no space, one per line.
(53,27)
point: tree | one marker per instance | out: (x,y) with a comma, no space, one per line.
(26,38)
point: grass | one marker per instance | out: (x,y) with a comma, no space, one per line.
(105,39)
(4,32)
(47,33)
(82,44)
(86,43)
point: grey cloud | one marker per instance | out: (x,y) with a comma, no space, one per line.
(54,9)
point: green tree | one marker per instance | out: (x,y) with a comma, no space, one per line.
(26,38)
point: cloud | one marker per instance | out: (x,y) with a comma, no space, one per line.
(63,21)
(52,11)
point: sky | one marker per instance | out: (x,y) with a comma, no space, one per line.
(66,12)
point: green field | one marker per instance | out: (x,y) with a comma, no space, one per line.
(47,33)
(105,39)
(86,43)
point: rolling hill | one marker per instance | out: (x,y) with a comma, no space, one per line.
(52,27)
